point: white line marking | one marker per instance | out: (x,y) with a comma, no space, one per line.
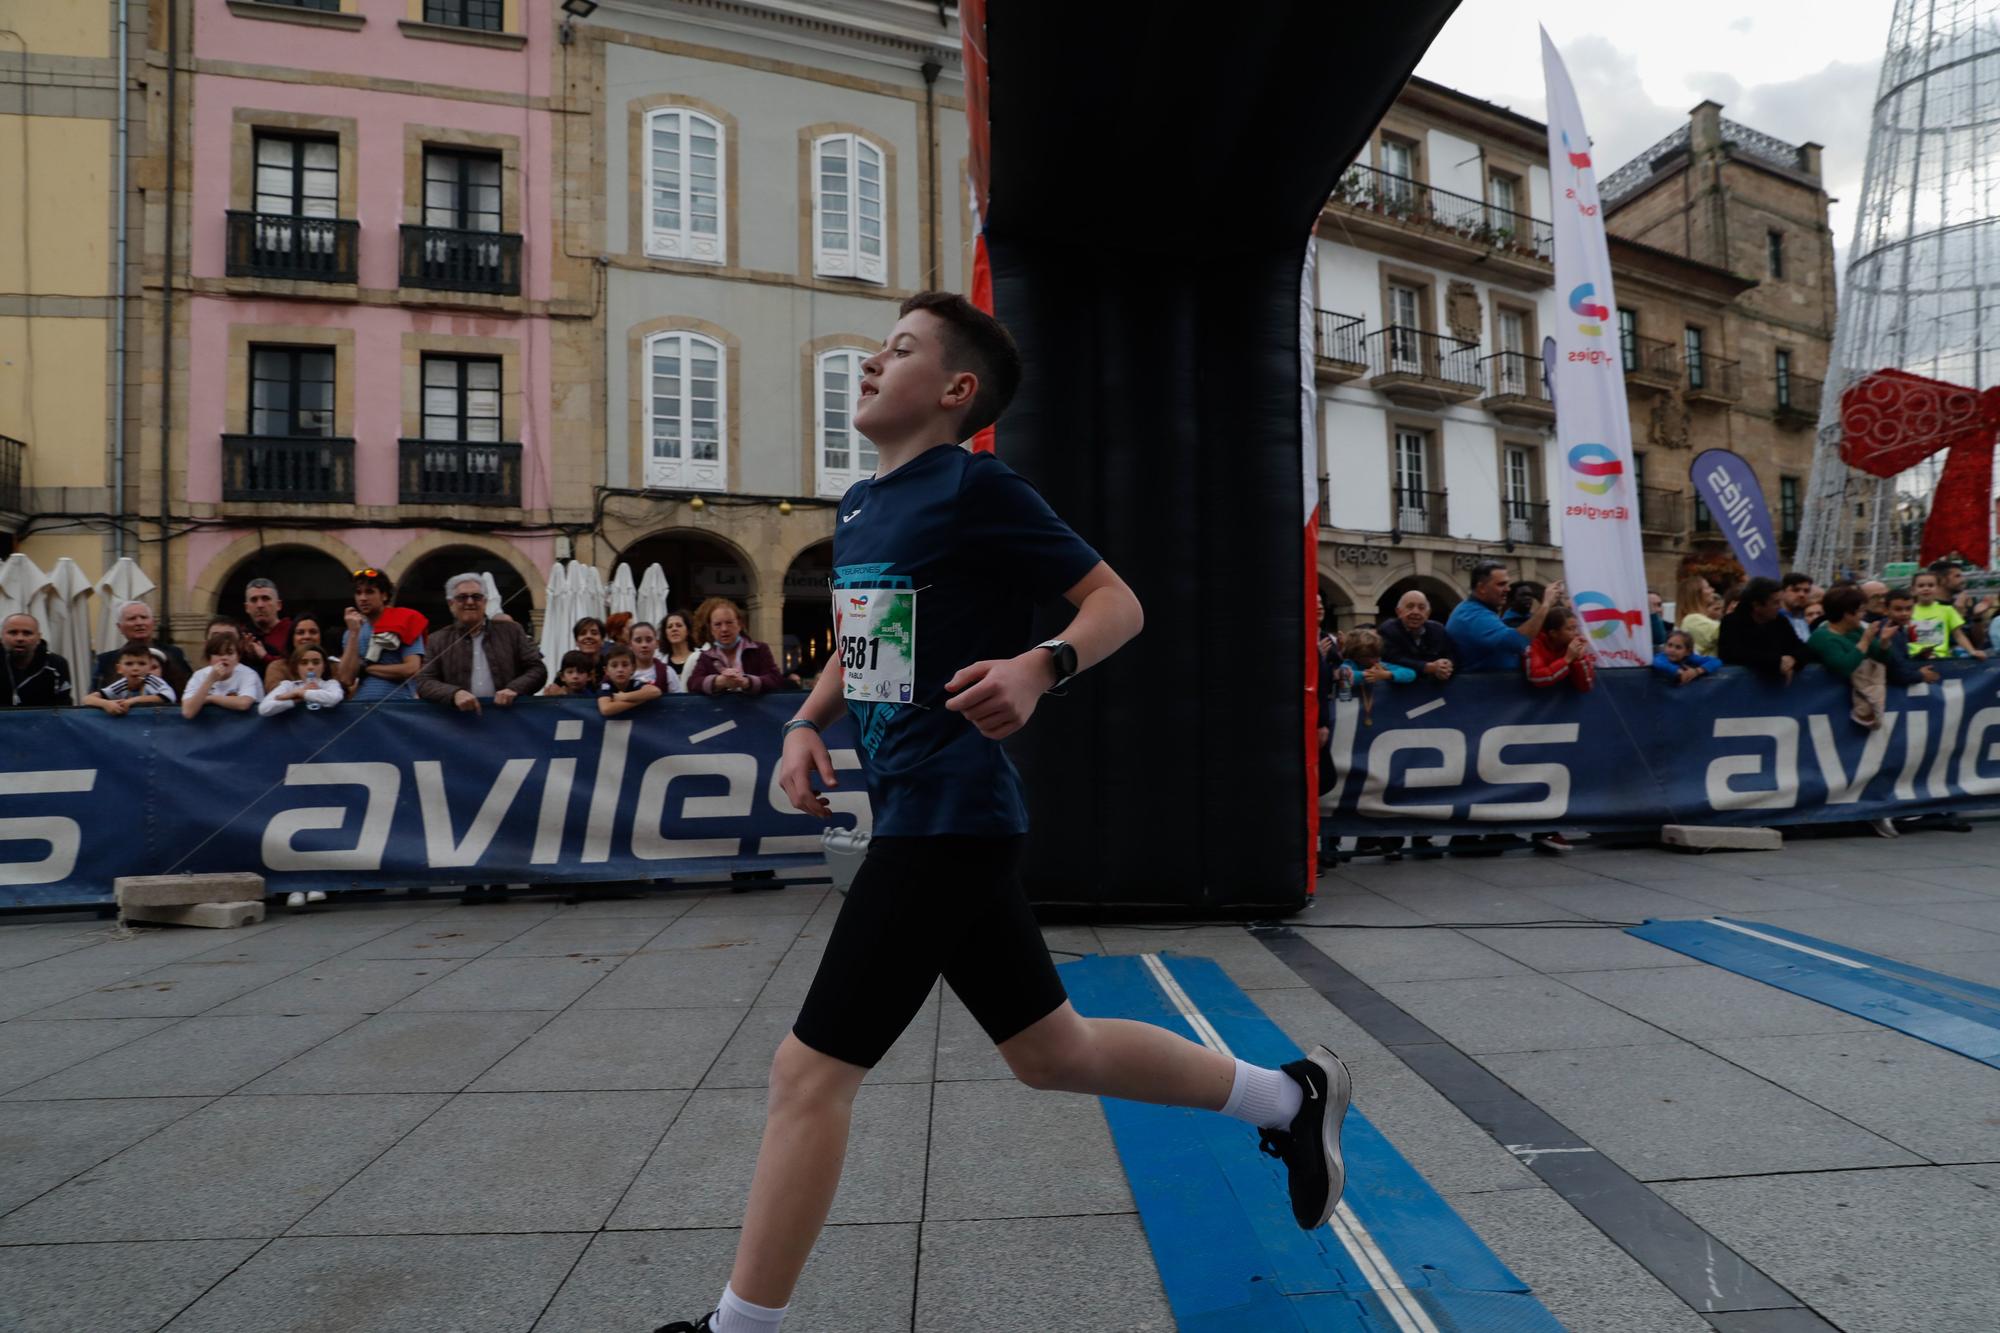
(1375,1267)
(1773,939)
(1421,709)
(711,733)
(1528,1152)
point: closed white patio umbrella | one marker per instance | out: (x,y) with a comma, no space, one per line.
(24,587)
(623,594)
(556,618)
(652,600)
(587,593)
(68,625)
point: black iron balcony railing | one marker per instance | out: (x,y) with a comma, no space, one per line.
(13,466)
(451,260)
(1525,521)
(1711,378)
(1797,398)
(1660,510)
(279,245)
(1340,337)
(1650,361)
(1418,513)
(1515,375)
(1400,350)
(1475,220)
(450,472)
(308,468)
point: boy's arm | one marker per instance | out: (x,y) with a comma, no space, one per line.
(999,696)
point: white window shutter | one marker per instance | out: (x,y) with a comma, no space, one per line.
(850,203)
(841,454)
(687,192)
(687,413)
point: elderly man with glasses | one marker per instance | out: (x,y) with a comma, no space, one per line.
(479,658)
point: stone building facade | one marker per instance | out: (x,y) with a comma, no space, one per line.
(1435,285)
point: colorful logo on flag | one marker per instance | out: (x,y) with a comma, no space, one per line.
(1597,468)
(1578,160)
(1581,305)
(1600,615)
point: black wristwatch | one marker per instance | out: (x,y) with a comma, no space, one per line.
(1065,662)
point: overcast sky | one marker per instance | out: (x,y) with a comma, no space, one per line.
(1797,70)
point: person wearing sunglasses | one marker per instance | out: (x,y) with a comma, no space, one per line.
(383,645)
(479,658)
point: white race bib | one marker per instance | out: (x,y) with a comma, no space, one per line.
(876,632)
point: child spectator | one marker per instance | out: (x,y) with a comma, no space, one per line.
(137,683)
(225,681)
(1937,628)
(622,690)
(589,636)
(1699,609)
(643,638)
(1896,636)
(306,633)
(310,684)
(577,675)
(1364,662)
(1680,663)
(1559,654)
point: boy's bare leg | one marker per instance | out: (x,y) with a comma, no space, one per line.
(1116,1057)
(798,1169)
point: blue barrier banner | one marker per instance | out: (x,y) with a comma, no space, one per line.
(405,794)
(1489,753)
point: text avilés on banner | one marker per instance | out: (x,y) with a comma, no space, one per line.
(1726,481)
(1602,562)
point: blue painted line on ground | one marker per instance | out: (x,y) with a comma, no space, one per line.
(1958,1015)
(1218,1218)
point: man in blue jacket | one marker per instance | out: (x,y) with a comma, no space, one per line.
(1485,642)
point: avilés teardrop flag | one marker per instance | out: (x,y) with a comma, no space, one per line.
(1602,562)
(1735,500)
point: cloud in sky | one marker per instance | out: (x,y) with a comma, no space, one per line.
(1798,70)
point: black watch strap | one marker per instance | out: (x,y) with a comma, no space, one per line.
(1065,657)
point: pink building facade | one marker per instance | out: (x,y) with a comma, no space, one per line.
(367,352)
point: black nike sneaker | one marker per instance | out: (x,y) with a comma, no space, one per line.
(1310,1146)
(700,1325)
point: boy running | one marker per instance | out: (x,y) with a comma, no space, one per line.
(939,560)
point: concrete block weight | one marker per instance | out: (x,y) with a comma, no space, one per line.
(1715,838)
(186,890)
(222,916)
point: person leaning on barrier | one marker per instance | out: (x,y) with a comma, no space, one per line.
(383,647)
(1895,635)
(1416,641)
(311,683)
(1853,651)
(30,675)
(1937,627)
(267,633)
(1559,654)
(135,621)
(1757,635)
(137,684)
(1680,663)
(576,675)
(225,681)
(478,659)
(1699,608)
(306,633)
(735,663)
(624,689)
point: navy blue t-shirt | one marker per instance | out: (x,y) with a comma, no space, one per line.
(980,547)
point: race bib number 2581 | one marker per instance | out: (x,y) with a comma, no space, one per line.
(876,629)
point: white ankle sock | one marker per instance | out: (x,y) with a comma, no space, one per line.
(1266,1098)
(733,1314)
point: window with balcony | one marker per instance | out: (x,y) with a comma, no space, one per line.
(479,15)
(460,457)
(1405,311)
(1504,195)
(290,452)
(1524,516)
(1774,253)
(845,455)
(1782,368)
(685,190)
(293,228)
(848,208)
(1510,331)
(686,413)
(1628,338)
(1399,164)
(1697,367)
(1417,507)
(460,246)
(1788,512)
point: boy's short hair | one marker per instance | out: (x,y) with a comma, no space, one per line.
(617,651)
(135,648)
(977,342)
(1556,619)
(222,643)
(1898,595)
(1363,643)
(578,659)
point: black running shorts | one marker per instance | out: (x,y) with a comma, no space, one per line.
(920,908)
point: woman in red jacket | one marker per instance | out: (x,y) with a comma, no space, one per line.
(1559,653)
(733,663)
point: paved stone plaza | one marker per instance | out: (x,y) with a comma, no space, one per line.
(414,1116)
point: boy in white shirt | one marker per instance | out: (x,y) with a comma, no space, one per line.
(134,685)
(225,681)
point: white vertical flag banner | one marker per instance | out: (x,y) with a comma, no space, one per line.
(1602,562)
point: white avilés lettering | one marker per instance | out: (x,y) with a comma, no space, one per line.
(650,842)
(1954,710)
(1449,771)
(1346,717)
(441,849)
(63,835)
(554,814)
(1783,794)
(1840,789)
(1976,751)
(1553,778)
(604,794)
(850,798)
(382,781)
(1741,511)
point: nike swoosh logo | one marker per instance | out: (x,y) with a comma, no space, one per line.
(849,518)
(1312,1093)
